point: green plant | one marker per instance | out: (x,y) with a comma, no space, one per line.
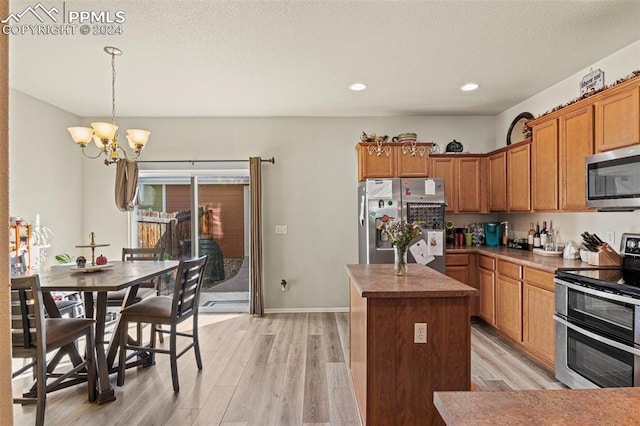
(64,258)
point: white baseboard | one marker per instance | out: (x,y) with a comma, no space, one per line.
(303,310)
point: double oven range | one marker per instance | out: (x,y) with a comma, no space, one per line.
(597,322)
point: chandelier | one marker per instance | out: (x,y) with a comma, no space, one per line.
(105,135)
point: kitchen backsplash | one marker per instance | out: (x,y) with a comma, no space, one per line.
(569,226)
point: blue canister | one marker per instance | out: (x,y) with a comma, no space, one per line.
(493,233)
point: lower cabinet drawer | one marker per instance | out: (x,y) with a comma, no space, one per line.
(486,262)
(457,259)
(539,278)
(508,269)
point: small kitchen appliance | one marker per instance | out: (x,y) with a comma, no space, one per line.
(492,233)
(613,179)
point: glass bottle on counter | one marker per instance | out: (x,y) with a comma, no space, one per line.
(536,237)
(543,235)
(530,237)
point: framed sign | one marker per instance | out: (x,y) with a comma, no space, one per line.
(592,82)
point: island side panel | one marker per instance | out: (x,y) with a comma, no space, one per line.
(402,375)
(358,348)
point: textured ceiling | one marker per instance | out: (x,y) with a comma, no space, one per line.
(296,58)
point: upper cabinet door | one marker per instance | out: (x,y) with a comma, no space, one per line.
(576,143)
(375,164)
(471,192)
(618,120)
(544,166)
(412,164)
(519,178)
(497,181)
(443,167)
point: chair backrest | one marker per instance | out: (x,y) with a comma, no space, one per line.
(27,316)
(186,294)
(149,253)
(18,264)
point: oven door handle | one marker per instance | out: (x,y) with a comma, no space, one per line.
(597,337)
(602,294)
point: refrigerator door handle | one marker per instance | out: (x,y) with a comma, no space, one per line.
(362,211)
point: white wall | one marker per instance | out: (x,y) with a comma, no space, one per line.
(615,66)
(311,188)
(571,225)
(45,174)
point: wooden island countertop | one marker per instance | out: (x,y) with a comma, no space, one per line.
(612,406)
(379,281)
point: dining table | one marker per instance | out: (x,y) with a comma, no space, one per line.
(95,282)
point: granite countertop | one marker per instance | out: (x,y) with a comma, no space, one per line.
(525,257)
(612,406)
(379,281)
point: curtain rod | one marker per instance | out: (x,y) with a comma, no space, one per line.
(271,160)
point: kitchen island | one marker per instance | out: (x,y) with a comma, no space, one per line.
(393,377)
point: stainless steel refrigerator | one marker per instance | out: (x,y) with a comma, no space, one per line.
(416,199)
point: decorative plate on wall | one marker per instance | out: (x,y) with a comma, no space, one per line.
(515,134)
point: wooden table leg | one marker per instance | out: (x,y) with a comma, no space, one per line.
(105,391)
(112,351)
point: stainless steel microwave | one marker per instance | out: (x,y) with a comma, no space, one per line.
(613,179)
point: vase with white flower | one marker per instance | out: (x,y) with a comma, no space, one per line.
(400,234)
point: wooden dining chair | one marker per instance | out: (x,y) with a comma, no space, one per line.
(33,336)
(67,305)
(170,311)
(147,288)
(115,298)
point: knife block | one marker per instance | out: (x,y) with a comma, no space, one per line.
(605,256)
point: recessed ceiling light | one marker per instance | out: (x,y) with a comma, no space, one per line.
(357,87)
(469,87)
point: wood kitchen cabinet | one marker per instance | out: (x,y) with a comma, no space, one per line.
(509,299)
(464,181)
(560,145)
(544,166)
(538,307)
(471,187)
(497,181)
(617,116)
(486,286)
(389,160)
(444,166)
(518,177)
(575,144)
(412,164)
(463,267)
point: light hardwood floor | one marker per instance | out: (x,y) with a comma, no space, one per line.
(283,369)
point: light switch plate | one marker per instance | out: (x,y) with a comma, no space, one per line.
(281,229)
(611,238)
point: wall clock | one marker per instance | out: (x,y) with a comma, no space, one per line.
(515,129)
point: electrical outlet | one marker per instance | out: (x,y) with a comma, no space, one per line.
(420,332)
(611,238)
(281,229)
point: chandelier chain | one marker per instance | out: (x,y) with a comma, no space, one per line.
(113,88)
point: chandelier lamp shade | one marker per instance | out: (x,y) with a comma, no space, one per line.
(105,135)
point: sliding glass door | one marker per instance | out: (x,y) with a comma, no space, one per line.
(213,204)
